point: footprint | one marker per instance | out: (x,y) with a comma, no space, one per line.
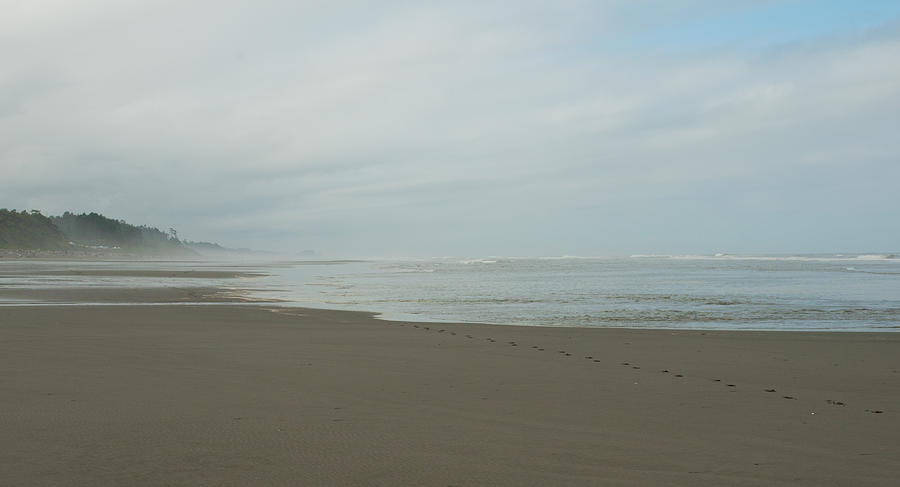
(625,363)
(790,397)
(635,367)
(834,403)
(595,360)
(568,355)
(678,375)
(665,371)
(731,385)
(874,411)
(770,390)
(468,336)
(540,349)
(588,357)
(441,331)
(717,380)
(453,333)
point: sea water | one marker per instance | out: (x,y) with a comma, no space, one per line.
(802,292)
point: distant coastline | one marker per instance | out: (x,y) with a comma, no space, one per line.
(32,235)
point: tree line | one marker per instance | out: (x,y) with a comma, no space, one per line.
(33,230)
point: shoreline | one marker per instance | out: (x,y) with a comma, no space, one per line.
(214,293)
(237,394)
(210,295)
(95,282)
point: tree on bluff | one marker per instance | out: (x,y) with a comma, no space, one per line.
(94,229)
(24,230)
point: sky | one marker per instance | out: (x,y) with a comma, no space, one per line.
(401,128)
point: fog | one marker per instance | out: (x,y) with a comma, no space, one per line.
(455,128)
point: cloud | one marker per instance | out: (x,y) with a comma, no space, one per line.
(408,127)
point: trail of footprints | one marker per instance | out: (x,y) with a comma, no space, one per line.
(732,387)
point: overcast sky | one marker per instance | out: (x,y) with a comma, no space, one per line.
(461,128)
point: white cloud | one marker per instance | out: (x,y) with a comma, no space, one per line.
(322,125)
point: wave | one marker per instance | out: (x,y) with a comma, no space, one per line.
(877,273)
(652,256)
(774,258)
(494,259)
(567,257)
(410,270)
(780,317)
(685,299)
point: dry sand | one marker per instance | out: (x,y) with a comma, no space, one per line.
(242,395)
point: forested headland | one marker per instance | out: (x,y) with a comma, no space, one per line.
(31,230)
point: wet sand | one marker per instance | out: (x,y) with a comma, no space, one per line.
(165,295)
(176,292)
(23,268)
(243,395)
(189,274)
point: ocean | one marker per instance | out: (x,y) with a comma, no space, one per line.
(801,292)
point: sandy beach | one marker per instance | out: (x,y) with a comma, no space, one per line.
(254,395)
(450,244)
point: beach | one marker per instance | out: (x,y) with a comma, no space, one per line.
(388,244)
(230,394)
